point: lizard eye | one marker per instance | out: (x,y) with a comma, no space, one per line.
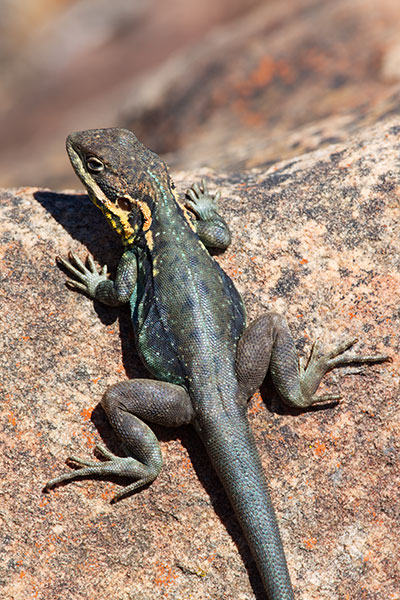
(124,203)
(94,165)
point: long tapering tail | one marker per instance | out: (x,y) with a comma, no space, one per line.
(233,452)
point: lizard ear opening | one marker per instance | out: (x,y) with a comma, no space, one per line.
(124,203)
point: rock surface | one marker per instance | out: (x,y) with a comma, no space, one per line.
(315,237)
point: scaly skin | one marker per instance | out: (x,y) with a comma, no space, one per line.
(189,324)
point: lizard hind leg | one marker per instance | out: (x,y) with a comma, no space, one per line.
(126,404)
(268,343)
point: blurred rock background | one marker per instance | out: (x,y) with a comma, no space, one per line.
(217,82)
(69,65)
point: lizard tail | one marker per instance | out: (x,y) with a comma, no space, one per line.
(235,457)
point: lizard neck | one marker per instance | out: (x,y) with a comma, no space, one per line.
(163,216)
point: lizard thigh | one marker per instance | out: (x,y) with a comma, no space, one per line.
(268,343)
(127,402)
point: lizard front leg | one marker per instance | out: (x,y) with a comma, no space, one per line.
(97,285)
(210,226)
(268,343)
(126,404)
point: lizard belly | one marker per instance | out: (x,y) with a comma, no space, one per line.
(158,350)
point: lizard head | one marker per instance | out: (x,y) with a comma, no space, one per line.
(120,175)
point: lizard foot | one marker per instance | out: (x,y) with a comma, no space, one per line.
(113,465)
(87,279)
(318,364)
(201,202)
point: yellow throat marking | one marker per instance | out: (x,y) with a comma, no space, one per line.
(122,225)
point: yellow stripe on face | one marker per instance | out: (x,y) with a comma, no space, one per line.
(110,210)
(149,239)
(117,216)
(146,212)
(123,216)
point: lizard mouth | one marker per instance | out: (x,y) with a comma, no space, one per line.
(74,156)
(77,160)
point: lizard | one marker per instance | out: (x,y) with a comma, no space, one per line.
(190,331)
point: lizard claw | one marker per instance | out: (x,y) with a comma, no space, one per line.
(86,277)
(201,202)
(122,466)
(320,363)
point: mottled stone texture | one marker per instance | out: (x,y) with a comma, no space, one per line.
(315,237)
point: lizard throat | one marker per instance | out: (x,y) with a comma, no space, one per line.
(118,217)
